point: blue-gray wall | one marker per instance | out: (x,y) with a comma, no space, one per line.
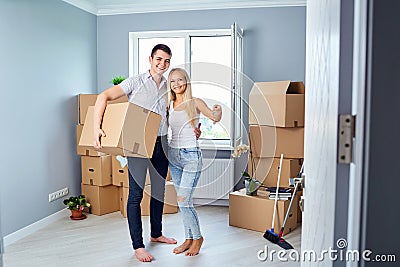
(48,56)
(274,43)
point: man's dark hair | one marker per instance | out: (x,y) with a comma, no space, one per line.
(161,47)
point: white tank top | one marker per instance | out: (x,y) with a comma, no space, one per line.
(182,132)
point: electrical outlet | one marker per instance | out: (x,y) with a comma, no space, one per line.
(58,194)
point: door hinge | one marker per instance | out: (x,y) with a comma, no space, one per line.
(346,134)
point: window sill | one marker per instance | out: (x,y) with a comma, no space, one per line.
(215,144)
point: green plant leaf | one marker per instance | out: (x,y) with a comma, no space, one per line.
(246,174)
(73,203)
(117,80)
(253,185)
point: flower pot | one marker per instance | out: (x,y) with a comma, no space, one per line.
(251,187)
(76,213)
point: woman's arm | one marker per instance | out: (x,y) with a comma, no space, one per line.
(215,114)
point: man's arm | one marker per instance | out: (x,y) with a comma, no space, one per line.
(111,93)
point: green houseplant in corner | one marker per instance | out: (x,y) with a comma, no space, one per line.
(117,80)
(77,205)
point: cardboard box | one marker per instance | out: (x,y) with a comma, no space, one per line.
(271,142)
(96,170)
(168,178)
(279,104)
(84,151)
(297,199)
(86,100)
(120,176)
(267,170)
(170,204)
(255,213)
(130,130)
(102,199)
(123,200)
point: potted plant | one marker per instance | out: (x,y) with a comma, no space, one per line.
(117,80)
(77,205)
(251,183)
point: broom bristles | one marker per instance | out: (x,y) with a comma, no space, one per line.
(271,236)
(284,244)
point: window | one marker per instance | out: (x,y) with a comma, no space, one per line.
(211,59)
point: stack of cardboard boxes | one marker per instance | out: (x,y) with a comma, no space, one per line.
(130,131)
(276,119)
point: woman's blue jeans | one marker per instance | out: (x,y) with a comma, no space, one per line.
(158,168)
(185,167)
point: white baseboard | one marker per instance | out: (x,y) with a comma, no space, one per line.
(210,202)
(21,233)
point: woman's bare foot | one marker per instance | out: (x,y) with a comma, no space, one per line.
(183,247)
(195,247)
(142,255)
(163,239)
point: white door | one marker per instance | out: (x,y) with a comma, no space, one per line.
(329,64)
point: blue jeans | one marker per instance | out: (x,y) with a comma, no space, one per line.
(185,167)
(158,168)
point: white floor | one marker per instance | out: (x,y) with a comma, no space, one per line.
(104,241)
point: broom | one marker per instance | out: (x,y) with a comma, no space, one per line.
(270,234)
(282,242)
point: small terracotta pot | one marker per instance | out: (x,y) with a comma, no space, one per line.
(76,213)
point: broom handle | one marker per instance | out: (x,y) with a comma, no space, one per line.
(290,205)
(277,190)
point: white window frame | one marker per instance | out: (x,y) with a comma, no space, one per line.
(187,34)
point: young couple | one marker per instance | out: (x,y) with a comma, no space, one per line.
(181,112)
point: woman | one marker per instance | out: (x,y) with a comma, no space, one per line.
(184,154)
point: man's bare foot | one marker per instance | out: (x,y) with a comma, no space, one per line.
(183,247)
(163,239)
(195,247)
(142,255)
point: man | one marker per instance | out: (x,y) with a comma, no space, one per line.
(148,90)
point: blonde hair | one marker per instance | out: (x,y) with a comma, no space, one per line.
(190,106)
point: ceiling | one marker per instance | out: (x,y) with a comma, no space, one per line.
(116,7)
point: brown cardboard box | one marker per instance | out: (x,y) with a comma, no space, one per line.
(96,170)
(84,151)
(102,199)
(255,213)
(120,176)
(267,170)
(271,142)
(86,100)
(170,204)
(278,104)
(168,178)
(123,200)
(130,130)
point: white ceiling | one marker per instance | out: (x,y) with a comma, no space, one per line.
(115,7)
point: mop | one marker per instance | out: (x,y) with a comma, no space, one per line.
(270,234)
